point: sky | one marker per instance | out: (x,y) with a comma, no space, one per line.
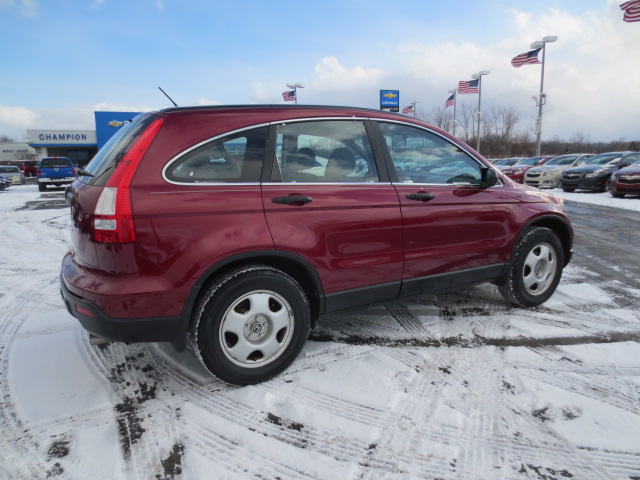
(64,59)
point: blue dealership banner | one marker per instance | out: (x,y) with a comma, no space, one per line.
(108,123)
(390,100)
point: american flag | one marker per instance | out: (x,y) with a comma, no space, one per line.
(528,58)
(469,86)
(450,101)
(631,11)
(408,110)
(289,96)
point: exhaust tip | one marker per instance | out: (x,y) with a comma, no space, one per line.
(93,340)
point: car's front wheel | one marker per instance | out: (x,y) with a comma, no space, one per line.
(568,189)
(536,268)
(251,324)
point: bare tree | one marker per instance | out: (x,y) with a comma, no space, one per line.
(499,129)
(6,139)
(467,123)
(441,118)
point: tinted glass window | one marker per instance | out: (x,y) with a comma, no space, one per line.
(107,158)
(60,162)
(423,157)
(9,170)
(325,151)
(236,158)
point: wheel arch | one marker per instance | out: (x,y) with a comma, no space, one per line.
(291,264)
(558,225)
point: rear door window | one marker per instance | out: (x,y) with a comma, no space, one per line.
(235,158)
(327,151)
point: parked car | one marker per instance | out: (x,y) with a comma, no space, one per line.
(4,183)
(55,171)
(626,181)
(13,174)
(219,228)
(506,162)
(516,172)
(29,168)
(594,173)
(548,174)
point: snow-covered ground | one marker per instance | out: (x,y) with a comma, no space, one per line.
(452,386)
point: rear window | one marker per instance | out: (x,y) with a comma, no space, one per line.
(103,164)
(9,170)
(58,162)
(235,158)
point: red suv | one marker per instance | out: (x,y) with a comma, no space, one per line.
(231,229)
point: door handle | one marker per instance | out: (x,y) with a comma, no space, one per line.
(421,196)
(292,200)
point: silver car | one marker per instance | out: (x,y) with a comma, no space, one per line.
(548,175)
(13,174)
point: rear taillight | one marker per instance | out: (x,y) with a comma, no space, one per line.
(113,218)
(38,171)
(73,171)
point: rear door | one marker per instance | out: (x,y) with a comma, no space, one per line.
(329,202)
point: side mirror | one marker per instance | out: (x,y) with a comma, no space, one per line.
(489,177)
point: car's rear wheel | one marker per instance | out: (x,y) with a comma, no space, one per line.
(42,187)
(251,324)
(535,269)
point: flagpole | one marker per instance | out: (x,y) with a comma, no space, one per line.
(478,76)
(542,97)
(454,91)
(295,87)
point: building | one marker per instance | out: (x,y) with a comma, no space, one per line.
(79,145)
(16,151)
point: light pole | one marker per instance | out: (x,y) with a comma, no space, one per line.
(454,92)
(295,87)
(478,76)
(541,99)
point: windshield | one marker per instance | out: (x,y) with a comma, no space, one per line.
(564,160)
(603,159)
(530,161)
(506,162)
(9,170)
(104,163)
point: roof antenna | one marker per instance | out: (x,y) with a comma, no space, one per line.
(174,103)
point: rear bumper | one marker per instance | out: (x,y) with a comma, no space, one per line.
(56,180)
(96,322)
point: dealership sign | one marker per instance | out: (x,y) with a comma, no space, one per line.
(109,123)
(61,137)
(390,100)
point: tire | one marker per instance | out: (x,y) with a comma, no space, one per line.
(568,189)
(42,187)
(250,324)
(536,268)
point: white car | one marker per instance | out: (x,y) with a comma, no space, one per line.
(13,174)
(548,175)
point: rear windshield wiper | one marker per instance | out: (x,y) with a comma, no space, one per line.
(84,173)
